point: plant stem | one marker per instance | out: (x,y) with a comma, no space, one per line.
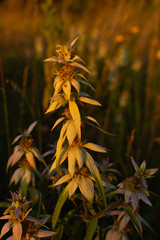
(85,210)
(5,107)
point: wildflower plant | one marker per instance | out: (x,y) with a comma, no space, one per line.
(24,155)
(23,226)
(100,207)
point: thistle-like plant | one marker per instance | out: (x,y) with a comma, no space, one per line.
(24,154)
(23,226)
(100,198)
(82,171)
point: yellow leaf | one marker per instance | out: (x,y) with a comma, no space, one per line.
(87,188)
(73,42)
(58,86)
(90,101)
(74,111)
(79,157)
(57,122)
(71,161)
(63,179)
(93,120)
(73,186)
(71,132)
(67,89)
(31,160)
(61,141)
(79,65)
(95,147)
(76,85)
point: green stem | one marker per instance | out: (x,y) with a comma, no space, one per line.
(5,107)
(85,210)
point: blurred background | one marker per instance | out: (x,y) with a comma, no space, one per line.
(120,43)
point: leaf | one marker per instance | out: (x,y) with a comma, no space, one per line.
(63,179)
(17,230)
(7,226)
(30,128)
(44,233)
(73,42)
(71,132)
(91,229)
(61,200)
(134,220)
(61,140)
(60,160)
(76,85)
(73,186)
(17,138)
(86,83)
(111,134)
(67,89)
(92,119)
(95,147)
(57,85)
(79,65)
(89,101)
(74,111)
(95,173)
(71,162)
(16,157)
(57,122)
(87,188)
(30,159)
(79,157)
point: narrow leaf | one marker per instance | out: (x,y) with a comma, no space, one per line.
(95,147)
(91,229)
(57,122)
(74,110)
(63,197)
(89,101)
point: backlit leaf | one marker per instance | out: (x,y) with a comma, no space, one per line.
(17,230)
(79,157)
(95,147)
(74,111)
(71,162)
(89,101)
(63,179)
(57,122)
(87,188)
(71,132)
(67,89)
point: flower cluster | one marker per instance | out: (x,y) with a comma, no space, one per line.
(23,226)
